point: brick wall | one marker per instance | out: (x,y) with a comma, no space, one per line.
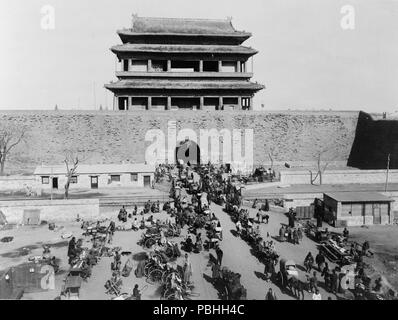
(339,176)
(113,137)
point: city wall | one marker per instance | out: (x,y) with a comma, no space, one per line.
(339,176)
(114,137)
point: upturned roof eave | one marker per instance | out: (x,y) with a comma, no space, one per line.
(125,48)
(236,34)
(125,85)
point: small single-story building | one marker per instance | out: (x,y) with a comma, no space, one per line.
(96,176)
(358,208)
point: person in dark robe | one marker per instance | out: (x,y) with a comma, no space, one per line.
(270,295)
(266,206)
(308,262)
(320,261)
(334,279)
(72,249)
(346,234)
(208,197)
(188,244)
(326,276)
(219,254)
(313,283)
(291,218)
(295,237)
(300,290)
(215,269)
(282,232)
(136,293)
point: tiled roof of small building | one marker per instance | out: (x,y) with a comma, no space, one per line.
(96,169)
(183,84)
(182,26)
(358,197)
(183,48)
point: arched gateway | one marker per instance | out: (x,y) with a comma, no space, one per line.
(188,151)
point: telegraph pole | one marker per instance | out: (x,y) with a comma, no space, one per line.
(388,169)
(51,183)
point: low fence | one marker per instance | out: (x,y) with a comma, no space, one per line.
(339,176)
(31,211)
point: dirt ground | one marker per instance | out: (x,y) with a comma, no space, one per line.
(237,257)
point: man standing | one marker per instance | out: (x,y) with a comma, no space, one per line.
(270,295)
(345,234)
(208,199)
(334,280)
(220,254)
(314,283)
(136,293)
(320,261)
(316,295)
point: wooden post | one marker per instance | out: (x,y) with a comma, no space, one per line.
(251,103)
(149,69)
(201,103)
(149,103)
(168,65)
(200,65)
(238,66)
(220,103)
(219,66)
(239,103)
(168,106)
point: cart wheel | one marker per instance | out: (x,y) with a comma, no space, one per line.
(171,296)
(155,276)
(169,252)
(149,243)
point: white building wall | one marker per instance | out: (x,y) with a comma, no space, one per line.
(104,181)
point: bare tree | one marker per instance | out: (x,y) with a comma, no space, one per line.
(71,161)
(321,166)
(271,151)
(10,136)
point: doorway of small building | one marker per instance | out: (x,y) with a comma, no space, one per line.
(185,103)
(188,152)
(147,181)
(55,183)
(94,182)
(377,213)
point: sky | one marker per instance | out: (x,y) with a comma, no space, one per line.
(306,59)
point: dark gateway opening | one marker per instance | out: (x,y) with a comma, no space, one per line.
(188,151)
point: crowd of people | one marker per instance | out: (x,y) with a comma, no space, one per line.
(193,190)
